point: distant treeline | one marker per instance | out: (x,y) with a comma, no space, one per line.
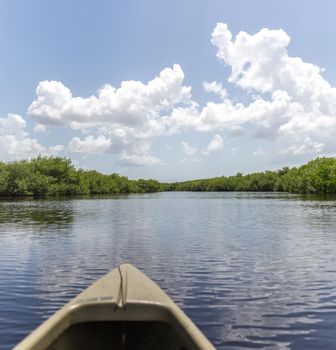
(317,176)
(44,176)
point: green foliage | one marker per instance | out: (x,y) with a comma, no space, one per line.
(317,176)
(44,176)
(146,186)
(252,182)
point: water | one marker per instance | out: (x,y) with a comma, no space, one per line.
(251,270)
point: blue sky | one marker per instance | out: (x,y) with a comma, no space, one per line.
(168,90)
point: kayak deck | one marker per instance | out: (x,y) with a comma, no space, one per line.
(122,310)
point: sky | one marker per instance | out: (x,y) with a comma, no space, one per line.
(172,90)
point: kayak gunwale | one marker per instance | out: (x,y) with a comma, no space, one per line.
(124,294)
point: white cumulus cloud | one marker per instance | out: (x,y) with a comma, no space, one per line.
(188,150)
(215,145)
(39,128)
(122,116)
(89,145)
(139,155)
(54,150)
(291,102)
(287,101)
(15,142)
(216,88)
(133,106)
(308,146)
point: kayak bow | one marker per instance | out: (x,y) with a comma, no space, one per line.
(122,310)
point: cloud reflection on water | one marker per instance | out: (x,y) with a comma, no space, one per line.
(253,270)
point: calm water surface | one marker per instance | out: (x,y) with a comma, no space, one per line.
(251,270)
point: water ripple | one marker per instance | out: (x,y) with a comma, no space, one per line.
(252,270)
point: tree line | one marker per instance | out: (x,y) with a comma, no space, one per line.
(317,176)
(44,176)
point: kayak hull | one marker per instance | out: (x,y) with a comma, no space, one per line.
(122,310)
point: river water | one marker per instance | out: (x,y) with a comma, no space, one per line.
(252,270)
